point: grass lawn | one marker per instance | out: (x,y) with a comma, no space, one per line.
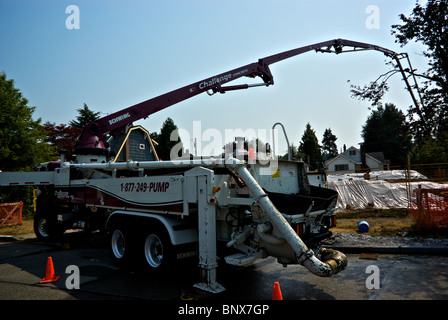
(382,222)
(25,227)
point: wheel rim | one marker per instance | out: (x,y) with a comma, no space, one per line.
(118,244)
(42,227)
(153,251)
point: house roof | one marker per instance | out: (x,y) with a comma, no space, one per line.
(379,156)
(118,143)
(375,156)
(341,155)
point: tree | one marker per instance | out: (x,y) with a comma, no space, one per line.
(64,136)
(61,137)
(309,146)
(166,141)
(429,26)
(387,130)
(22,143)
(431,150)
(85,117)
(295,153)
(329,146)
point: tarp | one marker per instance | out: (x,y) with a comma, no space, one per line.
(388,175)
(357,193)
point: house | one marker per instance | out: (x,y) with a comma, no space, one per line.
(356,160)
(134,144)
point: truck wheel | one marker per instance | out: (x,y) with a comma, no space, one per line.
(45,228)
(157,251)
(120,247)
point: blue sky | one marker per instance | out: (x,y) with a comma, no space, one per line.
(126,52)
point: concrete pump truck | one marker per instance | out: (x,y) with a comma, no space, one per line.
(236,208)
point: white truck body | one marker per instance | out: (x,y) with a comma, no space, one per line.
(200,204)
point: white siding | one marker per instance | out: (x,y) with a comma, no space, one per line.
(341,161)
(374,164)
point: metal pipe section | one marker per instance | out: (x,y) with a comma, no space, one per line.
(286,137)
(334,261)
(136,165)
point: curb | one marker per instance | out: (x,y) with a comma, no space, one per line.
(435,250)
(18,237)
(7,238)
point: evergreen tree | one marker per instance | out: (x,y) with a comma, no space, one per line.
(309,146)
(167,141)
(329,146)
(85,117)
(386,130)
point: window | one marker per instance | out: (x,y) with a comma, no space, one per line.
(142,146)
(340,167)
(352,152)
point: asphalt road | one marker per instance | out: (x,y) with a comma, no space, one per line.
(396,277)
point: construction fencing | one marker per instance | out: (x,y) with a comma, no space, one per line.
(11,213)
(430,209)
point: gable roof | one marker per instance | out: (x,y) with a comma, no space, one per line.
(379,156)
(118,144)
(375,156)
(377,159)
(339,156)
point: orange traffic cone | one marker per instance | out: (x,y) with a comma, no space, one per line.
(49,273)
(277,294)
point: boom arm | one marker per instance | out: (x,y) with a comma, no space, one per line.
(94,134)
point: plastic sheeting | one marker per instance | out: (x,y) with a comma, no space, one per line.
(388,175)
(357,193)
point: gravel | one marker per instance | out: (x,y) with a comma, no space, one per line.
(368,241)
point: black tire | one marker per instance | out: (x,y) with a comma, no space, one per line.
(121,247)
(156,251)
(46,227)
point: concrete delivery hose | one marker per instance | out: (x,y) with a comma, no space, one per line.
(333,261)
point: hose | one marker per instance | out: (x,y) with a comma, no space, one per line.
(333,261)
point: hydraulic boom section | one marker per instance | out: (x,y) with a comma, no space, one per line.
(95,136)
